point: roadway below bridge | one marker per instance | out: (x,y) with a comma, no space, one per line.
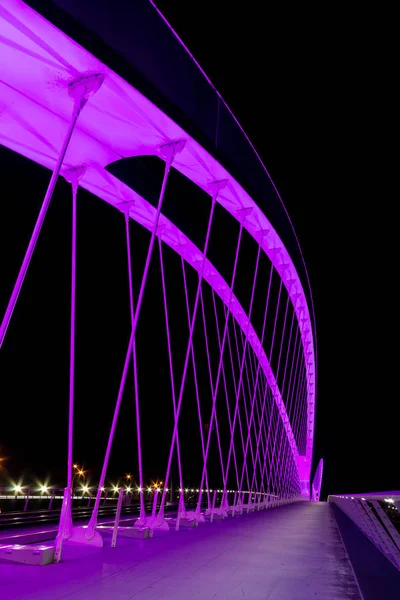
(290,553)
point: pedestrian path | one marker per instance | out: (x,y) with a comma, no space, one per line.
(290,553)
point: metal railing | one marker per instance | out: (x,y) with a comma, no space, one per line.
(378,517)
(23,499)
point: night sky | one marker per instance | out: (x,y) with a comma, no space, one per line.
(310,92)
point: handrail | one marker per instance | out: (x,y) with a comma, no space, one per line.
(373,514)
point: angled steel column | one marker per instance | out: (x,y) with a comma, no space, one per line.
(247,332)
(228,410)
(215,187)
(170,150)
(195,369)
(182,512)
(80,90)
(65,526)
(244,214)
(142,515)
(73,176)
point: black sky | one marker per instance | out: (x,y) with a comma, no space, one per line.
(309,89)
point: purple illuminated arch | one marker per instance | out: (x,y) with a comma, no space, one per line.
(37,61)
(317,482)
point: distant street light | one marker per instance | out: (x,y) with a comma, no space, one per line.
(79,472)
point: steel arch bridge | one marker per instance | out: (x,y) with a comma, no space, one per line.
(69,112)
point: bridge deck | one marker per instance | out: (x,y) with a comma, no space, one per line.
(289,553)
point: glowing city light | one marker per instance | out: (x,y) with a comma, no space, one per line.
(389,500)
(18,488)
(43,489)
(139,489)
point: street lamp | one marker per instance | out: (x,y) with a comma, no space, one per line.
(79,472)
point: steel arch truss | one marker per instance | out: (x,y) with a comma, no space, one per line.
(38,65)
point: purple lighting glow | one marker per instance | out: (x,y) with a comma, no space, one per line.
(269,391)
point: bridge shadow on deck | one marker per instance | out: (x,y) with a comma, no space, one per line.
(289,553)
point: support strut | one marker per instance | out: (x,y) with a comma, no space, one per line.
(80,91)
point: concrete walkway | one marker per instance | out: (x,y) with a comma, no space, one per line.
(289,553)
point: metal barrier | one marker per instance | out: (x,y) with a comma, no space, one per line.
(378,517)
